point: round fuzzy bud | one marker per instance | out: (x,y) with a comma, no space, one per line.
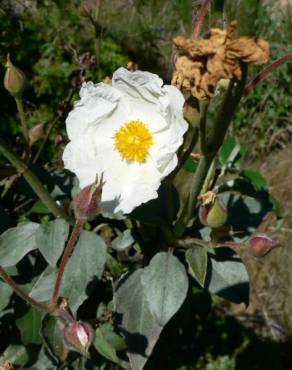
(14,79)
(36,133)
(78,337)
(217,215)
(260,245)
(87,203)
(203,213)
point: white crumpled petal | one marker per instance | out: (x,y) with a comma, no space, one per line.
(100,113)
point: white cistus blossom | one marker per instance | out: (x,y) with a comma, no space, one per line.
(129,131)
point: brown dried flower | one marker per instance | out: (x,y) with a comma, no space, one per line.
(202,63)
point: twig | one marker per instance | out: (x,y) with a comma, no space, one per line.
(200,18)
(264,72)
(20,292)
(51,126)
(24,127)
(33,181)
(67,252)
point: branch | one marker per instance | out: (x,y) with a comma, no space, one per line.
(20,292)
(264,72)
(200,18)
(33,181)
(67,252)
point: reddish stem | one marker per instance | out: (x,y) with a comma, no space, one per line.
(20,292)
(67,252)
(200,18)
(264,72)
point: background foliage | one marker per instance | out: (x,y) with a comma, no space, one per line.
(58,48)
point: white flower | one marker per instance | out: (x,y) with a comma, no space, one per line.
(129,131)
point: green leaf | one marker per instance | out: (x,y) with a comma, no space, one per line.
(197,259)
(140,327)
(85,266)
(190,165)
(5,293)
(15,243)
(227,275)
(15,354)
(51,238)
(104,347)
(115,340)
(226,149)
(52,330)
(165,285)
(257,180)
(43,361)
(29,326)
(42,288)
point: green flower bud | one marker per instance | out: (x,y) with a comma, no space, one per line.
(217,215)
(214,215)
(14,79)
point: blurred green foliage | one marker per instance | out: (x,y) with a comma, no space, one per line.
(57,48)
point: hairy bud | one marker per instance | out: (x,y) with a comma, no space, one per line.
(214,215)
(87,203)
(14,79)
(36,133)
(260,245)
(78,336)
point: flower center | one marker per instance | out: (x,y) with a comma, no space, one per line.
(133,140)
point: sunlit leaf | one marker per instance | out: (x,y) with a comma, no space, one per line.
(165,286)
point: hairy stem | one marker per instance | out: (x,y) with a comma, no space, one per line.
(264,72)
(20,292)
(200,18)
(65,258)
(24,127)
(33,181)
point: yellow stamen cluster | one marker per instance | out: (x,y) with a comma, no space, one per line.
(133,141)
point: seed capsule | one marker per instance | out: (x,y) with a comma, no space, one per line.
(14,79)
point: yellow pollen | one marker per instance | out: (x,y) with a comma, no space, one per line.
(133,141)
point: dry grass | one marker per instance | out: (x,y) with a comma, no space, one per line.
(271,277)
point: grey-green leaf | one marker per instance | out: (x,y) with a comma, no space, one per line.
(139,325)
(165,285)
(16,242)
(15,354)
(197,259)
(228,277)
(104,347)
(85,266)
(5,293)
(51,238)
(29,326)
(42,288)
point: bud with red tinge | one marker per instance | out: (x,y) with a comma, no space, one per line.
(214,215)
(260,245)
(14,79)
(78,336)
(87,203)
(36,133)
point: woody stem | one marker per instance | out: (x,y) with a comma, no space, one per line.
(67,252)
